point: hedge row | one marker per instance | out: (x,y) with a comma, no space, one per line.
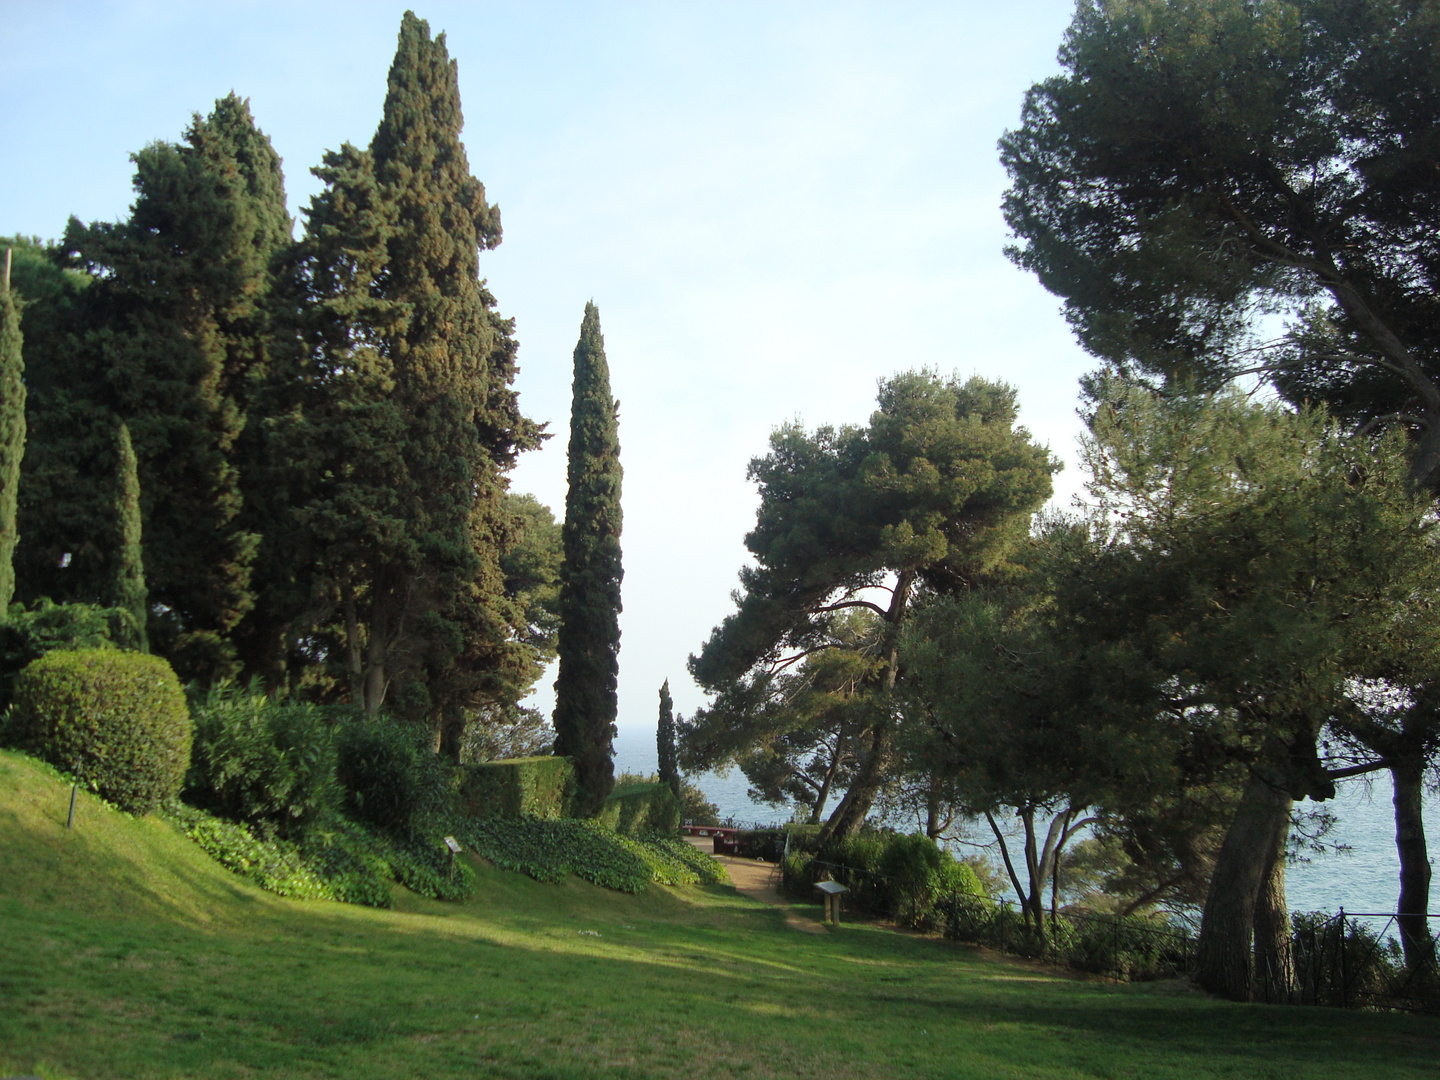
(549,850)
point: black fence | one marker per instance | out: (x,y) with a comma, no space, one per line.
(1345,960)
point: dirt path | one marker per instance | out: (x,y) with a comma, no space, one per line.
(760,881)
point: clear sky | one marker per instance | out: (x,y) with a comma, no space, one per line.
(773,205)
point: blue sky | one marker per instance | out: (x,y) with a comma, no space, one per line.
(772,204)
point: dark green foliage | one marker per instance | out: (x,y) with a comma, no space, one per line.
(640,807)
(665,741)
(168,336)
(117,720)
(30,634)
(504,732)
(549,850)
(1195,165)
(12,433)
(334,860)
(397,401)
(128,591)
(265,763)
(536,787)
(589,644)
(392,779)
(907,878)
(934,492)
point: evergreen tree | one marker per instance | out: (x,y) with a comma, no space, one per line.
(590,574)
(395,418)
(665,741)
(12,434)
(128,592)
(169,335)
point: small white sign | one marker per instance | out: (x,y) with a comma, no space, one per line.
(453,845)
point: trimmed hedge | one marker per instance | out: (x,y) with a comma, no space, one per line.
(117,720)
(639,808)
(549,850)
(533,787)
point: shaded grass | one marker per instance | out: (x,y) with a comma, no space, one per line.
(128,953)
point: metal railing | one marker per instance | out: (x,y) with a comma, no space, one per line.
(1347,960)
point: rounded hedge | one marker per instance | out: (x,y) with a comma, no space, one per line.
(117,720)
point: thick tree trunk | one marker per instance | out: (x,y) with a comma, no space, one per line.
(1274,958)
(1262,821)
(1410,845)
(851,810)
(354,663)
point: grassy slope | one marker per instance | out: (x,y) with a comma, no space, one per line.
(128,953)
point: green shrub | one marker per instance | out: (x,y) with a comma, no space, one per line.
(117,720)
(907,878)
(638,807)
(336,860)
(28,635)
(265,763)
(533,787)
(390,776)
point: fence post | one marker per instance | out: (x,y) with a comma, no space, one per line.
(1341,937)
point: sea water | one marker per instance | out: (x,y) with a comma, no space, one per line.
(1358,871)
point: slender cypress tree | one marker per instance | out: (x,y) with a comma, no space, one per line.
(665,741)
(12,434)
(589,644)
(128,588)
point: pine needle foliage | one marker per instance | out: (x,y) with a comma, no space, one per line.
(589,642)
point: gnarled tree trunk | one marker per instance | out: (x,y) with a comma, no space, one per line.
(1274,959)
(1410,845)
(1262,821)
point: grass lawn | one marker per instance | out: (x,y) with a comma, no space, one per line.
(128,953)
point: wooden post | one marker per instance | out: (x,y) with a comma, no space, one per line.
(7,269)
(70,819)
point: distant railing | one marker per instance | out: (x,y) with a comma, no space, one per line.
(1347,960)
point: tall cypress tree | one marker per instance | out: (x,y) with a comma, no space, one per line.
(12,434)
(665,741)
(589,644)
(128,590)
(405,416)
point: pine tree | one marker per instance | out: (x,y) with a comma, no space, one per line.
(128,591)
(12,434)
(665,741)
(169,335)
(589,645)
(404,414)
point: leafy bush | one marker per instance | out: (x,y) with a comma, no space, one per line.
(533,787)
(265,763)
(275,866)
(906,878)
(117,720)
(336,860)
(549,850)
(390,776)
(28,635)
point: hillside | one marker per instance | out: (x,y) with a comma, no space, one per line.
(129,953)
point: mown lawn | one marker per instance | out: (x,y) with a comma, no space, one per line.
(127,953)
